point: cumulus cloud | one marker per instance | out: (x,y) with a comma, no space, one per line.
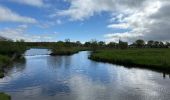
(83,9)
(147,19)
(126,36)
(20,32)
(119,26)
(37,3)
(6,15)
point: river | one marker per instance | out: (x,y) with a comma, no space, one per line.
(45,77)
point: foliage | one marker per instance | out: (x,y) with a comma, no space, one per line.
(123,45)
(155,58)
(112,45)
(7,51)
(140,43)
(4,60)
(9,48)
(4,96)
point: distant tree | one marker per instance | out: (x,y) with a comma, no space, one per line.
(78,43)
(123,45)
(67,40)
(94,44)
(167,45)
(87,44)
(133,45)
(21,40)
(161,45)
(140,43)
(112,45)
(101,44)
(67,43)
(59,45)
(156,44)
(150,44)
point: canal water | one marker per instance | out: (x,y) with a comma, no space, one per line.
(44,77)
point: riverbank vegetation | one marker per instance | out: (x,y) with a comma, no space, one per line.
(140,53)
(67,48)
(4,96)
(147,58)
(152,55)
(9,51)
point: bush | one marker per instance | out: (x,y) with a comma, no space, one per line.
(9,48)
(4,96)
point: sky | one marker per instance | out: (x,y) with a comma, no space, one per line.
(83,20)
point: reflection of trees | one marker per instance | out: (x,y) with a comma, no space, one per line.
(54,61)
(165,74)
(59,61)
(19,65)
(67,61)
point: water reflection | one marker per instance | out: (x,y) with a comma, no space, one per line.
(59,61)
(44,77)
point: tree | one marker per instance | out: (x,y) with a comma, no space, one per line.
(87,44)
(150,43)
(123,45)
(67,43)
(140,43)
(167,45)
(94,45)
(161,45)
(101,44)
(112,45)
(156,44)
(59,45)
(78,43)
(21,40)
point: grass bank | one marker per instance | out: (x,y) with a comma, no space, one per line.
(4,96)
(9,51)
(158,59)
(4,60)
(67,51)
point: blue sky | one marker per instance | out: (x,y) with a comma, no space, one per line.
(83,20)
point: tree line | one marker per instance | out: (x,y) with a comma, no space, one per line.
(123,45)
(93,44)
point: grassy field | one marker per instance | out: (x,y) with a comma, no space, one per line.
(147,58)
(4,96)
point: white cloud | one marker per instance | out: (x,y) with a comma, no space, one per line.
(37,3)
(20,32)
(148,22)
(126,36)
(6,15)
(82,9)
(119,26)
(147,19)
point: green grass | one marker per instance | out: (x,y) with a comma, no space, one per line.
(148,58)
(7,51)
(4,96)
(4,60)
(10,48)
(1,74)
(66,51)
